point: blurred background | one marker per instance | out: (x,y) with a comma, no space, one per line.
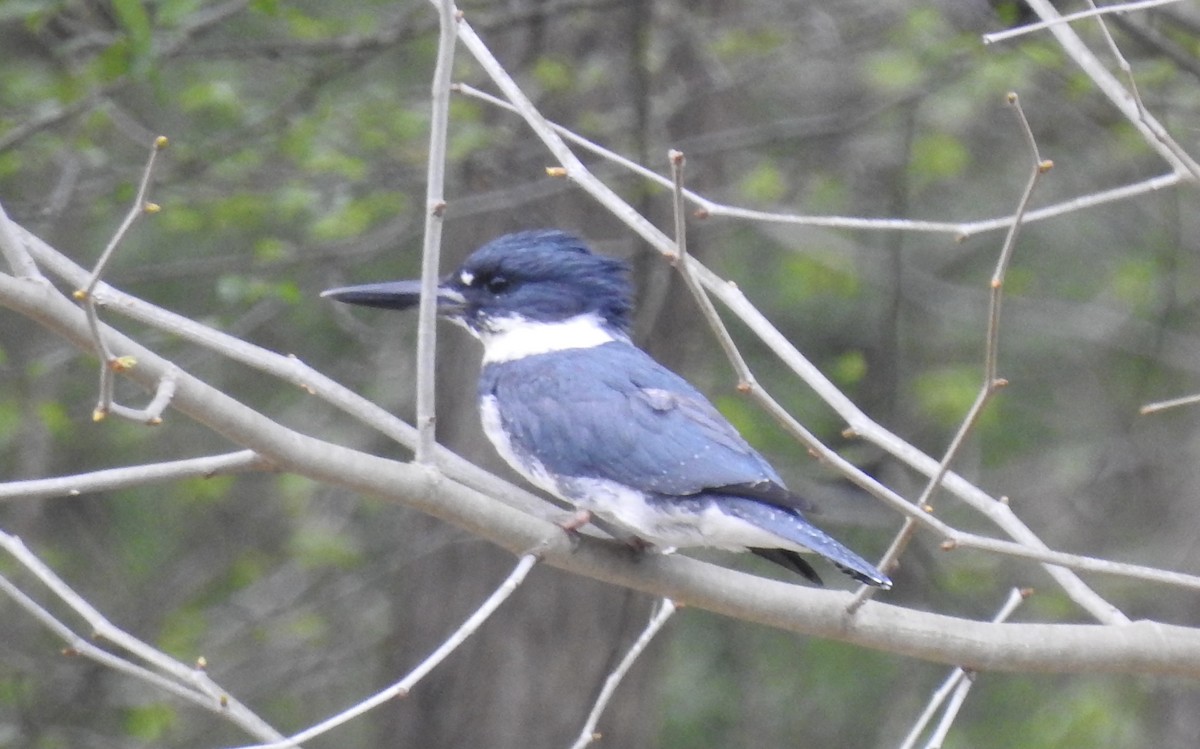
(297,162)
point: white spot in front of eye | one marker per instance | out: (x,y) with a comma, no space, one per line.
(467,277)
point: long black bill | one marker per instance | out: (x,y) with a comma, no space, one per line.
(387,295)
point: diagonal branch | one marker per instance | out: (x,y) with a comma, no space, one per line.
(1139,647)
(402,688)
(119,478)
(190,683)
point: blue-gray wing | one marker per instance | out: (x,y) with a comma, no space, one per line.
(612,412)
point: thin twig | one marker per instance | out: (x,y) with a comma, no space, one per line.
(405,685)
(1151,129)
(707,309)
(1158,130)
(1000,36)
(109,479)
(706,207)
(289,369)
(992,383)
(188,682)
(110,364)
(1157,406)
(1138,647)
(859,423)
(955,682)
(863,426)
(666,607)
(435,205)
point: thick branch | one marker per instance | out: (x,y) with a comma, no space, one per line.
(1143,647)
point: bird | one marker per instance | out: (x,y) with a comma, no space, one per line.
(571,404)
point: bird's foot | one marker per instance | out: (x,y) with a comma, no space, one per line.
(573,523)
(641,548)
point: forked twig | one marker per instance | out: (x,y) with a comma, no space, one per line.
(110,364)
(1128,103)
(706,207)
(188,682)
(991,382)
(956,686)
(1093,12)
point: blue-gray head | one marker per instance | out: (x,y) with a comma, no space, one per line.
(545,283)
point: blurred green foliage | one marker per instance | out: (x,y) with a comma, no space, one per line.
(299,136)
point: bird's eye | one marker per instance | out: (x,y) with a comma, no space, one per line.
(496,284)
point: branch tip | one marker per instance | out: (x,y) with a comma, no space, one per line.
(556,171)
(949,545)
(161,142)
(99,414)
(151,208)
(201,663)
(1045,165)
(79,295)
(1027,592)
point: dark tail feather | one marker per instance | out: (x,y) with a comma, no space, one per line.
(796,563)
(882,581)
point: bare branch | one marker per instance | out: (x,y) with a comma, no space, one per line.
(1140,647)
(1000,36)
(991,382)
(859,422)
(110,364)
(435,207)
(289,369)
(121,478)
(19,260)
(707,310)
(190,683)
(863,426)
(1157,406)
(1152,130)
(666,607)
(957,683)
(401,688)
(961,230)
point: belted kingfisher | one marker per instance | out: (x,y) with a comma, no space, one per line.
(573,406)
